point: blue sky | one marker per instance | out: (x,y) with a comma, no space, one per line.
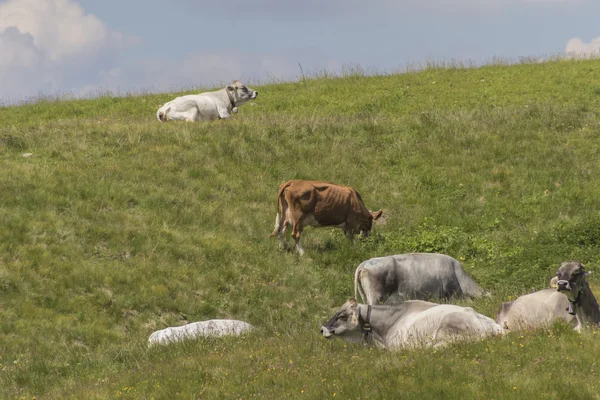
(83,47)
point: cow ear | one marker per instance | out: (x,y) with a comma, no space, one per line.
(353,302)
(376,215)
(230,88)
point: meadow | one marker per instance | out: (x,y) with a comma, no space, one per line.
(118,225)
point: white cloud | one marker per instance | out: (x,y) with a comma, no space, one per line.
(578,48)
(18,50)
(51,45)
(23,67)
(60,28)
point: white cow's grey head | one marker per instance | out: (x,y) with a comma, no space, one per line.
(571,279)
(344,323)
(240,93)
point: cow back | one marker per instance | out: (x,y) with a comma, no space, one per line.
(426,276)
(328,203)
(535,310)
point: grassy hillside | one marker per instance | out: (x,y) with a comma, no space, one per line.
(119,225)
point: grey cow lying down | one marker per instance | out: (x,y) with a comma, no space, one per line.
(416,276)
(210,328)
(572,301)
(413,323)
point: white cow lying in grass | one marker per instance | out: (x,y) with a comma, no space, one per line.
(207,106)
(413,323)
(572,301)
(210,328)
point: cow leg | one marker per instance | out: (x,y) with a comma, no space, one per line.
(282,219)
(375,293)
(192,114)
(282,234)
(282,244)
(296,233)
(223,113)
(279,231)
(455,326)
(299,247)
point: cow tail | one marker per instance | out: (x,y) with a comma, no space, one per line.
(358,289)
(280,218)
(469,287)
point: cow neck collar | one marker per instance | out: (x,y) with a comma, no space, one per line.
(231,99)
(365,325)
(574,303)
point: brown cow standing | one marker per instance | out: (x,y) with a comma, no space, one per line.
(302,203)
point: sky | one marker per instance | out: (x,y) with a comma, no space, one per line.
(88,47)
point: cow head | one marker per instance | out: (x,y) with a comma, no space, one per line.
(240,93)
(571,279)
(344,323)
(367,224)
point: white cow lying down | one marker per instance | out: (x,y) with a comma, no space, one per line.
(572,301)
(210,328)
(207,106)
(413,323)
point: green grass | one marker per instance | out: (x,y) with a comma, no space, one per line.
(119,225)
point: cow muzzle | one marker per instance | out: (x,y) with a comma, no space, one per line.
(326,332)
(563,286)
